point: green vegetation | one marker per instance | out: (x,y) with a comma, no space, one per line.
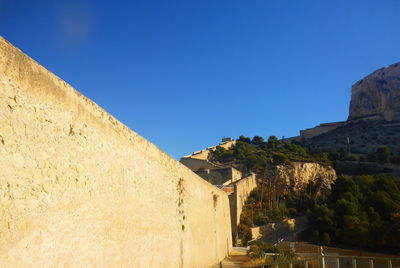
(256,212)
(268,203)
(244,233)
(362,211)
(254,155)
(271,201)
(258,250)
(382,155)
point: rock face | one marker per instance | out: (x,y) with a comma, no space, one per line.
(377,96)
(297,175)
(374,118)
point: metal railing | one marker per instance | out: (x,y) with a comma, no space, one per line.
(336,261)
(332,261)
(291,264)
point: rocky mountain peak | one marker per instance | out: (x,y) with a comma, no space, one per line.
(377,96)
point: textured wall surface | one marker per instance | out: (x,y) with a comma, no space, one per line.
(197,164)
(238,198)
(318,130)
(220,176)
(79,189)
(242,191)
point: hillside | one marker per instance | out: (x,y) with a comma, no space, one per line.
(359,137)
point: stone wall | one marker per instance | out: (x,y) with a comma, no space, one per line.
(318,130)
(238,198)
(203,155)
(80,189)
(197,164)
(220,176)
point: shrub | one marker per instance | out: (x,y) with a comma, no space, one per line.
(280,158)
(326,239)
(315,236)
(259,219)
(259,248)
(244,233)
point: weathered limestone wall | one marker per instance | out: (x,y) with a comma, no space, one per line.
(220,176)
(238,198)
(243,189)
(79,189)
(204,154)
(197,164)
(235,176)
(226,144)
(318,130)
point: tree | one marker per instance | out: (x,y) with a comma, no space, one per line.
(220,154)
(323,218)
(295,148)
(273,142)
(362,211)
(258,141)
(244,139)
(315,236)
(244,233)
(326,239)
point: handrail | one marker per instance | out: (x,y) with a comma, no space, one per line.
(366,257)
(321,259)
(328,255)
(276,264)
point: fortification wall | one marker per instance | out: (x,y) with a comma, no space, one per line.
(243,189)
(79,189)
(220,176)
(197,164)
(238,198)
(318,130)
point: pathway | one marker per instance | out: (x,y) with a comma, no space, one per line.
(237,258)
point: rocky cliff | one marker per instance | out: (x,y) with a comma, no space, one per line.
(374,118)
(297,175)
(377,95)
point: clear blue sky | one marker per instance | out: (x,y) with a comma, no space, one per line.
(185,73)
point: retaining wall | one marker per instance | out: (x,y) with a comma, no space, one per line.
(237,200)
